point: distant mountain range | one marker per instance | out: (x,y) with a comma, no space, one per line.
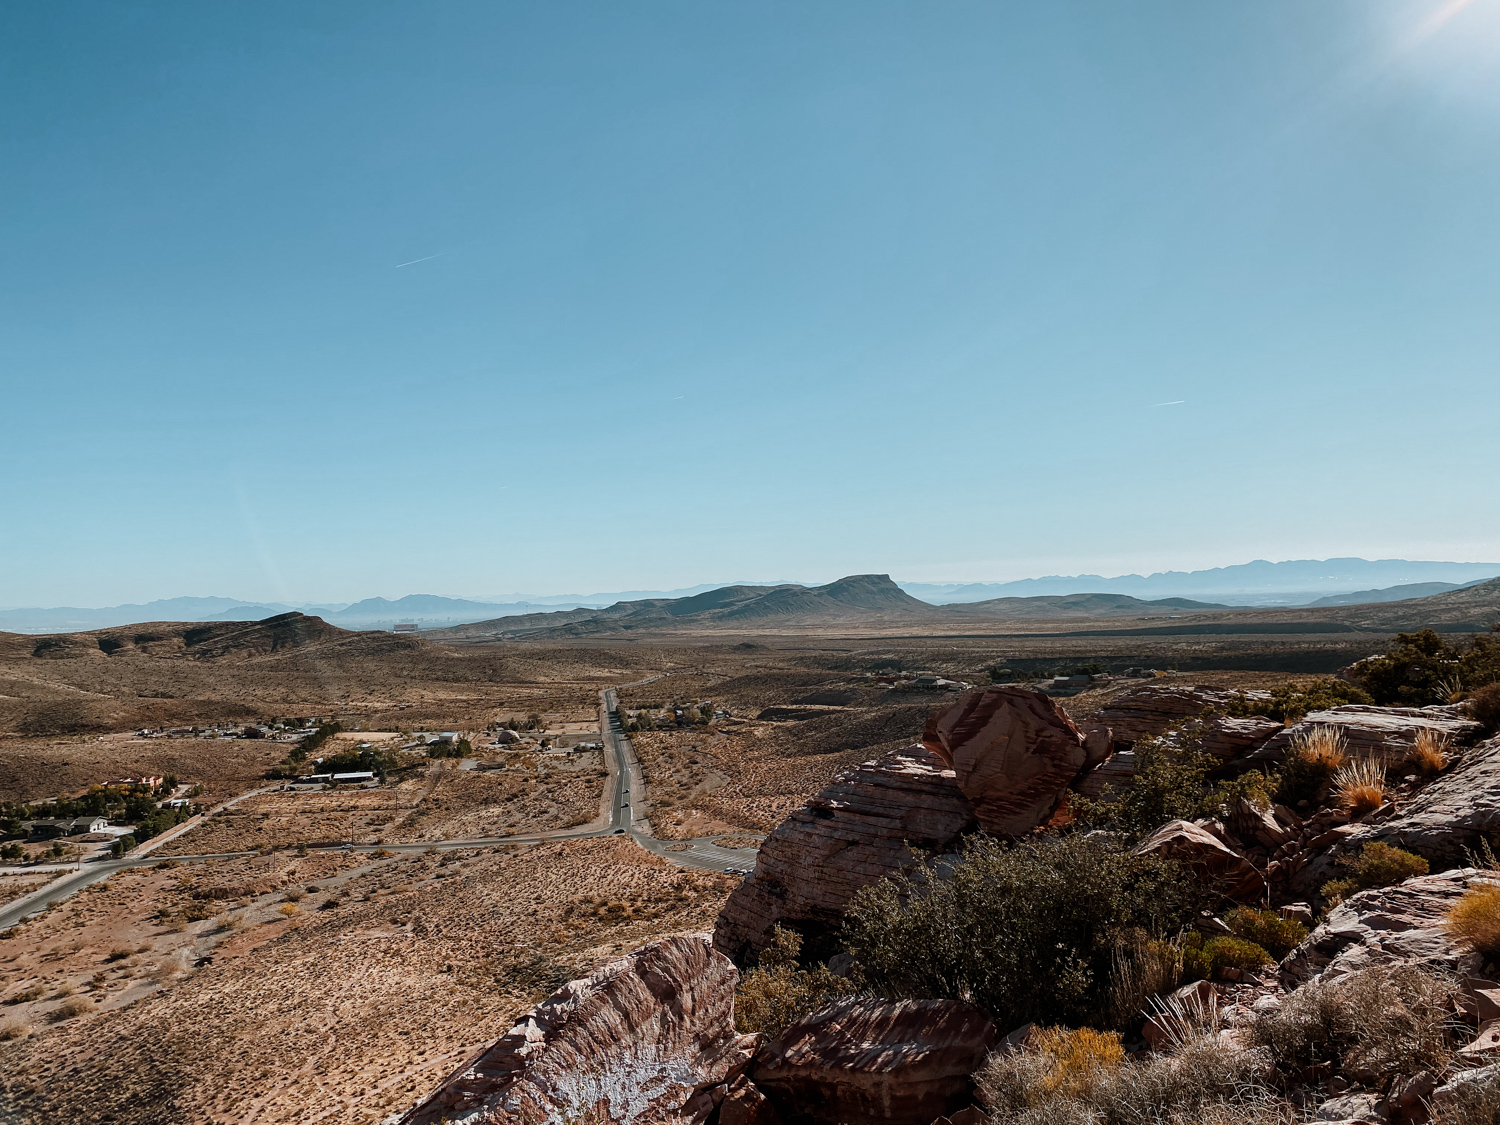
(1259,583)
(1311,583)
(859,598)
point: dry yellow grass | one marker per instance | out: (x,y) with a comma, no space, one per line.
(1323,745)
(1430,752)
(1359,786)
(1475,918)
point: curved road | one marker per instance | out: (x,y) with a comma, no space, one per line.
(625,781)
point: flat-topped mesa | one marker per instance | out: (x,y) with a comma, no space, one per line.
(640,1042)
(1013,753)
(858,830)
(1001,758)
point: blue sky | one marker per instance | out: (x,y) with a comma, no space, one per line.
(335,300)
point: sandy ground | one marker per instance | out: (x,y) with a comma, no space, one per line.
(199,994)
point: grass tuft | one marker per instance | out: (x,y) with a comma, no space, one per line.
(1359,786)
(1430,752)
(1475,918)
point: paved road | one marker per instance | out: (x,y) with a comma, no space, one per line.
(624,780)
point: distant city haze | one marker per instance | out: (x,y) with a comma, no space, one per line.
(316,302)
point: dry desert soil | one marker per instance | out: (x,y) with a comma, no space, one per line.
(283,987)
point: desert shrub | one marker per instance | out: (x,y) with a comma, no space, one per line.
(1027,931)
(1376,865)
(1143,967)
(117,955)
(1201,957)
(1429,753)
(11,1031)
(1373,1023)
(1278,936)
(1204,1082)
(1252,786)
(1475,918)
(777,993)
(1484,707)
(1470,1101)
(1359,786)
(290,909)
(71,1009)
(1168,785)
(1310,761)
(1424,667)
(1290,702)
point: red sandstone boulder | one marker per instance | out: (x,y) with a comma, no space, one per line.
(850,835)
(1014,753)
(859,1061)
(1208,857)
(640,1041)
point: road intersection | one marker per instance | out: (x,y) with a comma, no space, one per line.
(623,816)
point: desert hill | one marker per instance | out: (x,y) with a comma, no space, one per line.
(859,597)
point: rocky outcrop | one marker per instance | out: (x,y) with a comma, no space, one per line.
(1385,733)
(644,1040)
(1014,753)
(850,835)
(1386,925)
(861,1061)
(1149,711)
(1208,857)
(1455,812)
(1226,738)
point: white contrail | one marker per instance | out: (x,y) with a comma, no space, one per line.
(414,261)
(1174,402)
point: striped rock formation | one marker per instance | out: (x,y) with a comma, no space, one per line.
(1149,711)
(853,833)
(999,757)
(861,1061)
(647,1039)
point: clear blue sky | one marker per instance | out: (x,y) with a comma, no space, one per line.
(330,300)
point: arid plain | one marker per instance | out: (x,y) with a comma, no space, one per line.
(297,983)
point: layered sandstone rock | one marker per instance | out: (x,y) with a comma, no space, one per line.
(641,1040)
(1227,738)
(1385,733)
(850,835)
(1014,753)
(1386,925)
(1149,711)
(1208,857)
(859,1061)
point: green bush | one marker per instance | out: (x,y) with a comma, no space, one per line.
(1424,667)
(1278,936)
(1026,931)
(1290,702)
(776,993)
(1376,865)
(1168,785)
(1202,958)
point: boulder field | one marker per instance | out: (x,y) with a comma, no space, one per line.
(650,1038)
